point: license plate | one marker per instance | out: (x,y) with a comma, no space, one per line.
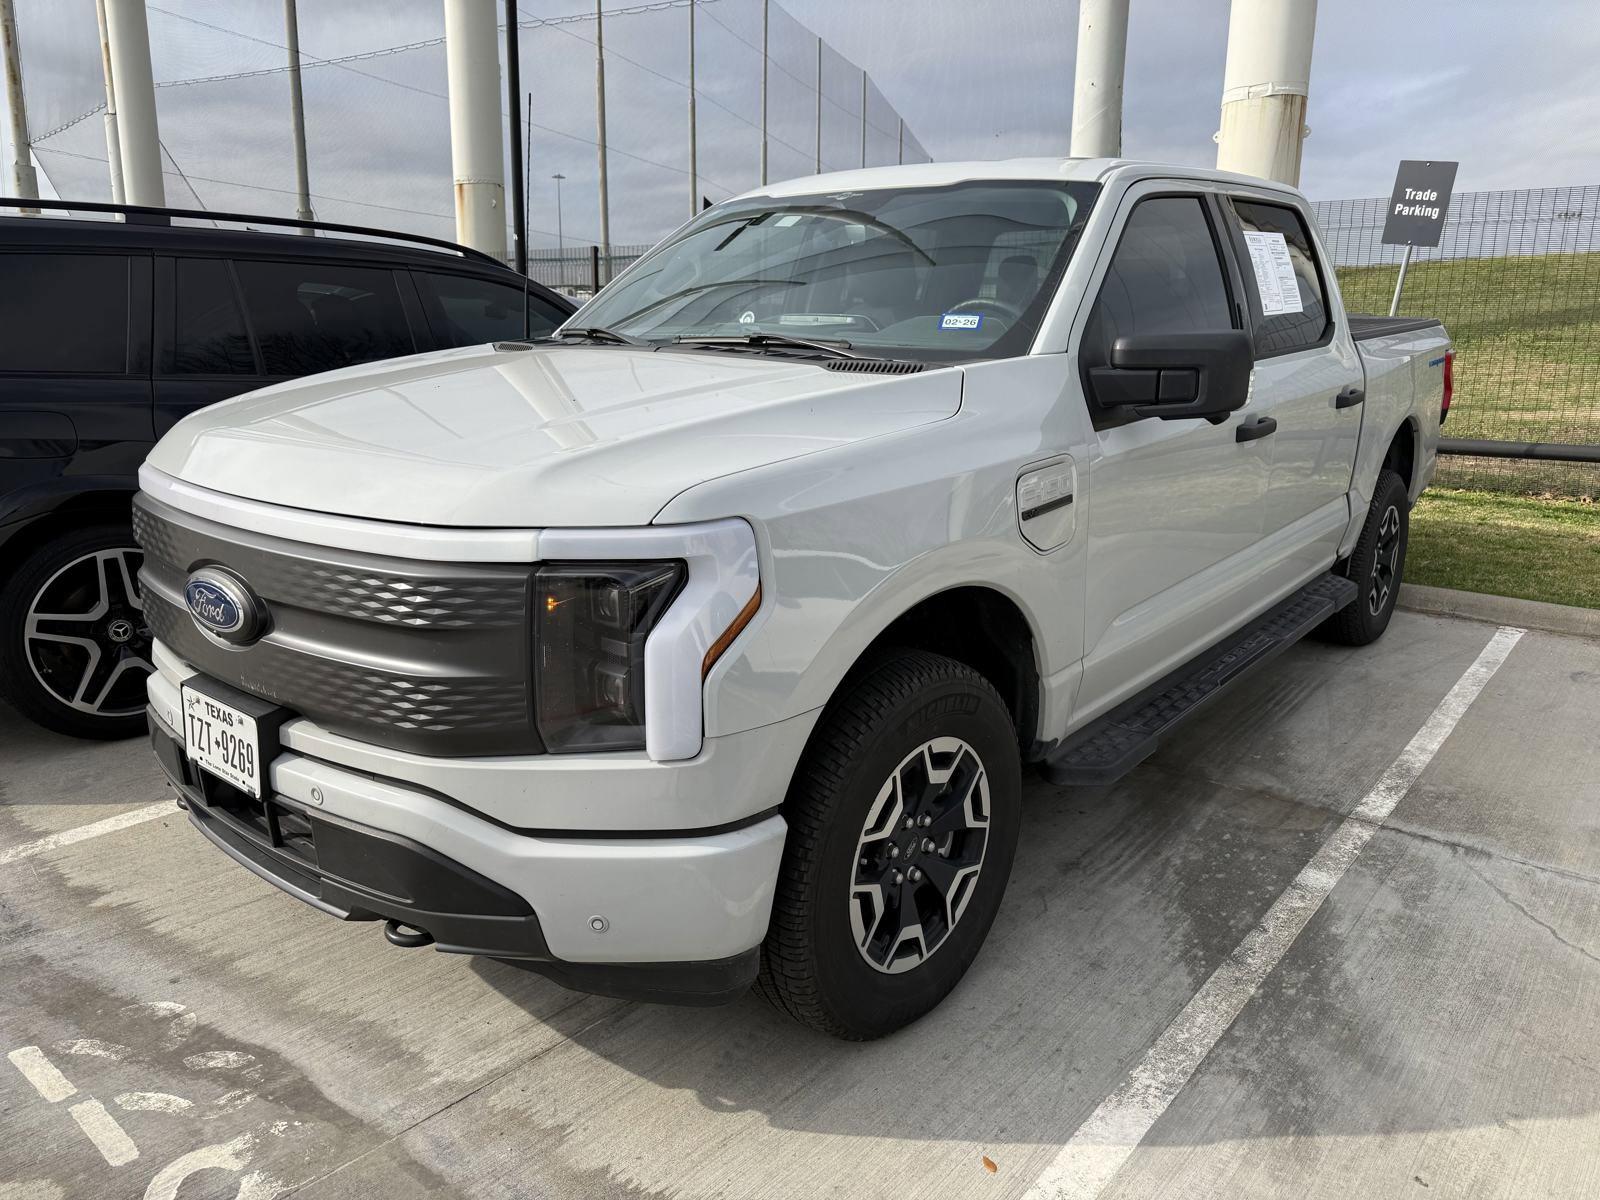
(222,739)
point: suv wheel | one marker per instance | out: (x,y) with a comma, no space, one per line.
(1376,565)
(74,646)
(903,824)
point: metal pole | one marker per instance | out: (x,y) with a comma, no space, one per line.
(863,117)
(560,241)
(1097,87)
(519,214)
(297,117)
(1400,283)
(472,71)
(1265,87)
(113,141)
(24,180)
(819,106)
(694,162)
(128,36)
(766,67)
(901,153)
(527,167)
(600,132)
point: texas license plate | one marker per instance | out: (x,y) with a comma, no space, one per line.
(222,739)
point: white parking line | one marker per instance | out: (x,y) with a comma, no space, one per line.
(1104,1142)
(83,833)
(41,1072)
(113,1142)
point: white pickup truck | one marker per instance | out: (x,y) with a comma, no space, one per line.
(708,641)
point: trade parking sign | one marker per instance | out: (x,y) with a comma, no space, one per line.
(1419,203)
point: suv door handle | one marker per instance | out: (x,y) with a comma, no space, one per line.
(1350,397)
(1259,428)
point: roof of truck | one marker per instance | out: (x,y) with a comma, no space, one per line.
(938,174)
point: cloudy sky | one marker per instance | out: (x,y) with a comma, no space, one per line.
(1512,90)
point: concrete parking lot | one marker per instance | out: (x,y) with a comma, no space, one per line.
(177,1028)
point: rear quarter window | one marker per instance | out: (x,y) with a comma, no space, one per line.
(64,313)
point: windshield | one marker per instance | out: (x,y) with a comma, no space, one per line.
(936,274)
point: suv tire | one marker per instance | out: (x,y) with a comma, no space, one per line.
(876,920)
(74,646)
(1376,566)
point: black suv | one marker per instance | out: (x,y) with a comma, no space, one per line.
(110,332)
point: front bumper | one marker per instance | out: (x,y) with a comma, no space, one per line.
(680,918)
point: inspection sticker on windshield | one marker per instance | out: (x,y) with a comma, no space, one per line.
(961,321)
(1269,255)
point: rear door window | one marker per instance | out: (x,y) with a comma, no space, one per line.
(64,313)
(310,317)
(1289,315)
(467,311)
(209,335)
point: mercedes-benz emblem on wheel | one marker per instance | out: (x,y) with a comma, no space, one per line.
(223,606)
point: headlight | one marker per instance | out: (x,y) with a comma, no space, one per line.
(591,621)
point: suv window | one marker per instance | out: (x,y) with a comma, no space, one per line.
(1165,277)
(209,335)
(1293,329)
(310,317)
(464,311)
(64,312)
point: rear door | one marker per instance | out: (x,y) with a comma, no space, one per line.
(228,327)
(1175,507)
(1308,378)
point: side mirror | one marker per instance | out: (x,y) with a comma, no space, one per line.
(1176,375)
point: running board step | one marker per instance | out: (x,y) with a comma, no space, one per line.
(1110,747)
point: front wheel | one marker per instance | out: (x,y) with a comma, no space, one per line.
(1376,566)
(903,821)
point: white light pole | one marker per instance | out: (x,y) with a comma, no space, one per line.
(24,180)
(128,40)
(472,68)
(113,141)
(766,67)
(1265,87)
(694,151)
(297,117)
(558,177)
(1097,86)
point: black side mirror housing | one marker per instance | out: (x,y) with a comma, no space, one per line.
(1176,376)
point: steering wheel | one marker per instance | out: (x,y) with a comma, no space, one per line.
(998,307)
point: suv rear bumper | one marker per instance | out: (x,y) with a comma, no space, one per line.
(681,917)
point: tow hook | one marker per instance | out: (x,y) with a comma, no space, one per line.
(408,937)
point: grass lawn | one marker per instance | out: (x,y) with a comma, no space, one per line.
(1507,546)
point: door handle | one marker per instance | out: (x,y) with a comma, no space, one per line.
(1350,397)
(1259,428)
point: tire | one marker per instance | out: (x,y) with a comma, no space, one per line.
(918,718)
(1376,565)
(74,646)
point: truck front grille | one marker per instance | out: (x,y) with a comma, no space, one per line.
(428,657)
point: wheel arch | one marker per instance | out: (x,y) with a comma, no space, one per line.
(1401,454)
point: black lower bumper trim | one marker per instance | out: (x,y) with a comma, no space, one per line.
(358,873)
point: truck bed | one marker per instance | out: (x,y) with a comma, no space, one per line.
(1364,326)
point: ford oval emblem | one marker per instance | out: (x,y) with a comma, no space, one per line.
(222,605)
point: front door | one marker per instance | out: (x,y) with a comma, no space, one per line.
(1175,507)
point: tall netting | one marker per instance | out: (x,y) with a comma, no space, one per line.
(377,112)
(1516,280)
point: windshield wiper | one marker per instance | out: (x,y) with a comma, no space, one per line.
(834,349)
(597,333)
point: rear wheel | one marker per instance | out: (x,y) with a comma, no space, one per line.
(74,646)
(903,822)
(1376,566)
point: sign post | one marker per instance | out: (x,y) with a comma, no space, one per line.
(1417,209)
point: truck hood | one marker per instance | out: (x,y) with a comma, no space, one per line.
(558,435)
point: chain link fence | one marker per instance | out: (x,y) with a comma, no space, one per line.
(1516,280)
